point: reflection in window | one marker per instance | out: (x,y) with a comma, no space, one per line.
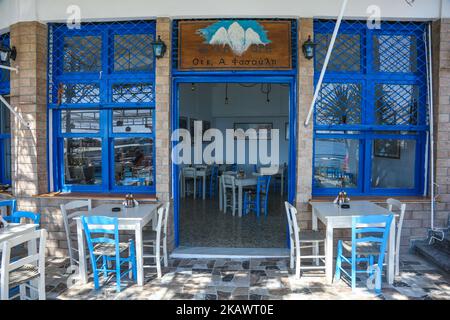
(395,53)
(80,121)
(80,93)
(133,161)
(339,103)
(396,104)
(336,163)
(82,161)
(393,164)
(133,120)
(346,54)
(82,54)
(133,52)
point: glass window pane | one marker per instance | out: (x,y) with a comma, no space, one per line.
(5,120)
(133,92)
(339,103)
(393,164)
(80,121)
(133,52)
(82,54)
(396,104)
(133,120)
(395,53)
(82,161)
(133,160)
(346,54)
(6,154)
(80,93)
(336,163)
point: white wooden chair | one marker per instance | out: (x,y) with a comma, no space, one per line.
(70,224)
(189,173)
(297,238)
(393,203)
(157,240)
(20,272)
(229,193)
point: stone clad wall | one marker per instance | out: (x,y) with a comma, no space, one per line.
(29,147)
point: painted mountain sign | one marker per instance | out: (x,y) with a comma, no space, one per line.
(234,45)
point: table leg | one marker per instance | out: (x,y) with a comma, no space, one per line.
(240,201)
(329,253)
(195,187)
(220,194)
(316,244)
(139,256)
(204,187)
(81,253)
(282,183)
(391,254)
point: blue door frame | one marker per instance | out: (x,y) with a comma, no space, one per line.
(283,77)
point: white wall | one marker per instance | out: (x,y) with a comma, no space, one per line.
(246,105)
(12,11)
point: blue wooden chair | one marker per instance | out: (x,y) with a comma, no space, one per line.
(369,240)
(253,199)
(102,235)
(211,185)
(17,216)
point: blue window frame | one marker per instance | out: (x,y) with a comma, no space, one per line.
(371,115)
(5,130)
(101,100)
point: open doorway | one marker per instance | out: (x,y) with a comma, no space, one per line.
(202,220)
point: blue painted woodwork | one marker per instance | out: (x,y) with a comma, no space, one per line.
(5,137)
(373,233)
(381,79)
(116,70)
(105,230)
(253,199)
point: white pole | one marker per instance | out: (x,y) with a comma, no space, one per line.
(18,116)
(9,68)
(325,64)
(430,95)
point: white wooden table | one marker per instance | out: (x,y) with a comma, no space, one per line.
(133,219)
(240,184)
(336,218)
(200,173)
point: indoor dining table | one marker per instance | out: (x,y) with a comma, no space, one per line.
(241,183)
(131,219)
(200,172)
(333,217)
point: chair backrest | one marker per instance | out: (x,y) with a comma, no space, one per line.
(397,205)
(371,229)
(161,227)
(263,184)
(10,203)
(100,229)
(32,217)
(190,171)
(228,181)
(290,212)
(69,222)
(8,265)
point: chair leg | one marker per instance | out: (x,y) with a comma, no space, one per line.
(337,275)
(41,287)
(104,266)
(22,292)
(158,262)
(118,274)
(166,257)
(292,257)
(297,265)
(96,281)
(354,262)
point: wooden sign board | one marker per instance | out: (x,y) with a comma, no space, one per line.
(234,45)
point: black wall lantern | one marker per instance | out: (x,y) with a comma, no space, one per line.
(308,48)
(159,48)
(7,54)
